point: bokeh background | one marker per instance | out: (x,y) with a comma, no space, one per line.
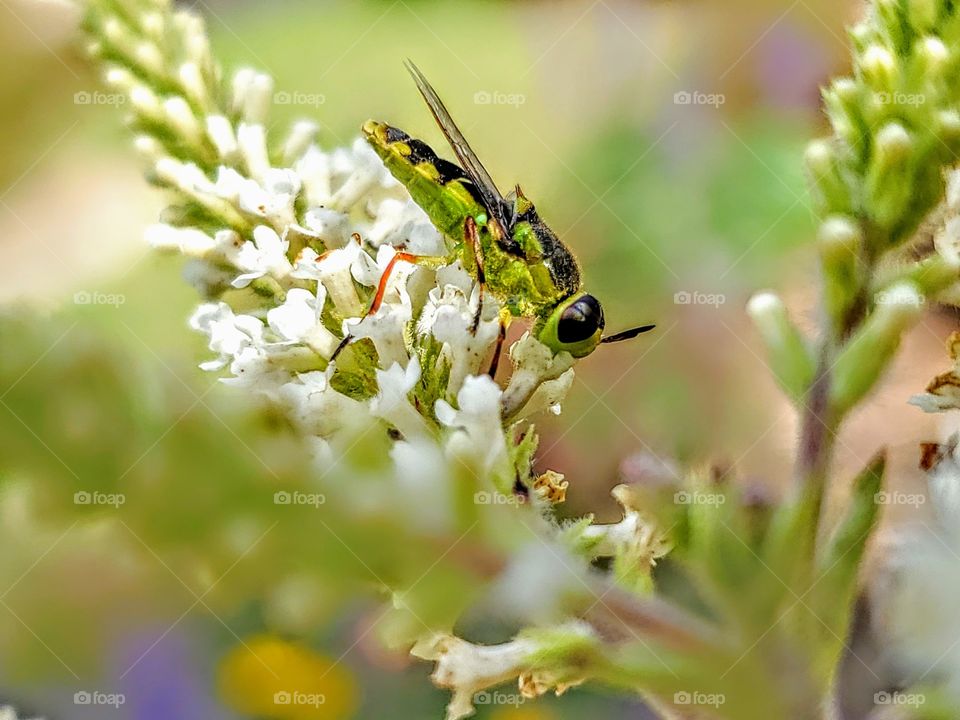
(661,140)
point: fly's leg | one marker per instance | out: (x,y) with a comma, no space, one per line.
(422,260)
(505,318)
(473,243)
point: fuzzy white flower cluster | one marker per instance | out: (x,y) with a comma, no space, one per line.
(357,218)
(291,245)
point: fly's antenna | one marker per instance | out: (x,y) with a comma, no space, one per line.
(627,334)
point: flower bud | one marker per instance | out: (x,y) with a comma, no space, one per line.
(220,131)
(844,106)
(947,126)
(933,55)
(193,84)
(252,94)
(181,117)
(152,24)
(113,30)
(889,186)
(252,141)
(148,146)
(120,78)
(195,37)
(829,189)
(789,357)
(145,102)
(148,55)
(862,35)
(840,241)
(879,68)
(867,354)
(893,145)
(302,134)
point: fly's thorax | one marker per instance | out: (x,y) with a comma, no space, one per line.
(574,325)
(542,246)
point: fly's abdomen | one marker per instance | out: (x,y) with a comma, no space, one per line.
(438,186)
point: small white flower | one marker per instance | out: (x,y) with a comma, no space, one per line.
(252,142)
(363,171)
(466,669)
(534,365)
(319,410)
(335,271)
(267,254)
(401,222)
(188,241)
(476,428)
(392,403)
(251,367)
(229,333)
(449,316)
(315,173)
(331,226)
(298,320)
(271,199)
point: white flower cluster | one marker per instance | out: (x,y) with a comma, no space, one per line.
(293,255)
(358,217)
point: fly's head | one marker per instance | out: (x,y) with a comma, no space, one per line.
(575,325)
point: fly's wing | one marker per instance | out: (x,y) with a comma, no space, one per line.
(475,170)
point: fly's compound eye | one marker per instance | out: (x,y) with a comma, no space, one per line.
(580,320)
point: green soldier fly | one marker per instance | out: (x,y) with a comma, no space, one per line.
(501,241)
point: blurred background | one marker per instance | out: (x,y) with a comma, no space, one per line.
(661,140)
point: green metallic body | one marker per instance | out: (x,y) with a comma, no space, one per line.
(529,271)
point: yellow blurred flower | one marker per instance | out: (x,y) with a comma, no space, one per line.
(523,713)
(269,677)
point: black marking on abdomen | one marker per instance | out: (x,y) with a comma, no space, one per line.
(396,134)
(420,153)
